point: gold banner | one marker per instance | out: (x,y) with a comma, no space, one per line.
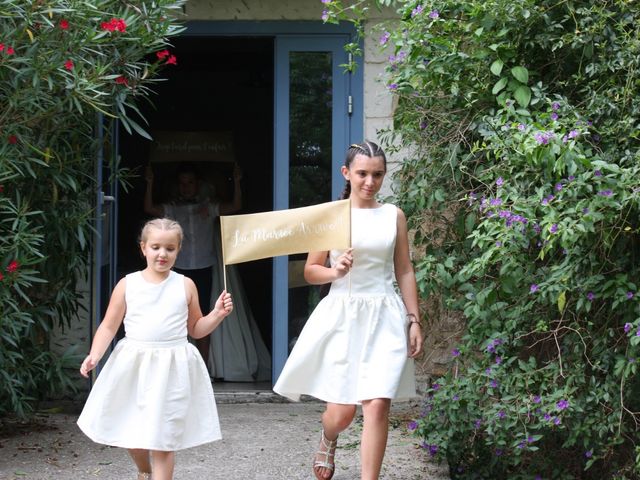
(299,230)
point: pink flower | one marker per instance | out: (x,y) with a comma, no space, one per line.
(13,266)
(1,47)
(172,60)
(162,54)
(68,65)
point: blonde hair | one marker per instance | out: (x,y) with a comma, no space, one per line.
(164,224)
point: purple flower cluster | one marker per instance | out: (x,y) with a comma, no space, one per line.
(433,449)
(605,193)
(499,181)
(417,11)
(545,201)
(543,137)
(491,348)
(533,288)
(455,352)
(384,38)
(412,425)
(433,14)
(562,404)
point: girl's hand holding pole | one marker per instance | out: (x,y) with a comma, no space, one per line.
(344,263)
(223,306)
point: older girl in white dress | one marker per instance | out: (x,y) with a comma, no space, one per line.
(355,349)
(153,395)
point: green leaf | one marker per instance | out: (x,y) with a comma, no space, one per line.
(496,67)
(521,74)
(522,95)
(500,84)
(562,301)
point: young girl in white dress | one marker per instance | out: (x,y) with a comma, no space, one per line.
(153,395)
(357,346)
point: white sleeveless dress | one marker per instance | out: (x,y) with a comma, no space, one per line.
(354,345)
(154,392)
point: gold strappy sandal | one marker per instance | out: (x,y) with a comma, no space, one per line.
(144,476)
(328,451)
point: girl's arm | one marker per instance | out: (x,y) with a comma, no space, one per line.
(407,282)
(107,329)
(198,325)
(317,273)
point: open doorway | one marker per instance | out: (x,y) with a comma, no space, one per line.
(221,85)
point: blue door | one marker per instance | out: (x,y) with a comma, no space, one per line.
(315,121)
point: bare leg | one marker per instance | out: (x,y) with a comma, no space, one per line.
(203,347)
(374,436)
(336,418)
(141,459)
(163,463)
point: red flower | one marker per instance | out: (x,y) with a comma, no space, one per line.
(172,60)
(12,139)
(68,64)
(122,80)
(1,47)
(114,24)
(64,24)
(161,54)
(13,266)
(10,51)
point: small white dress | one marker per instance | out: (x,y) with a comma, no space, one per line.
(154,392)
(354,345)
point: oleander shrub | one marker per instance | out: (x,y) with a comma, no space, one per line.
(64,67)
(519,120)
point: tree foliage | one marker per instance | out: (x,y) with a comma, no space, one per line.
(61,63)
(522,185)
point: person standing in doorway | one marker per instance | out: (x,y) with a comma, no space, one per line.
(358,345)
(197,216)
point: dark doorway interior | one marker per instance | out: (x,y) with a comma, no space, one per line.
(220,84)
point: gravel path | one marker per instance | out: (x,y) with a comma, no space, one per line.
(262,441)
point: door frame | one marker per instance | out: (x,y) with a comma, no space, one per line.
(288,34)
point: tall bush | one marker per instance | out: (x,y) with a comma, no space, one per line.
(61,63)
(521,119)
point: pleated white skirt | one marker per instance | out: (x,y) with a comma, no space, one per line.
(152,395)
(352,348)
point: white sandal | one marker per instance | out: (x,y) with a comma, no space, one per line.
(327,450)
